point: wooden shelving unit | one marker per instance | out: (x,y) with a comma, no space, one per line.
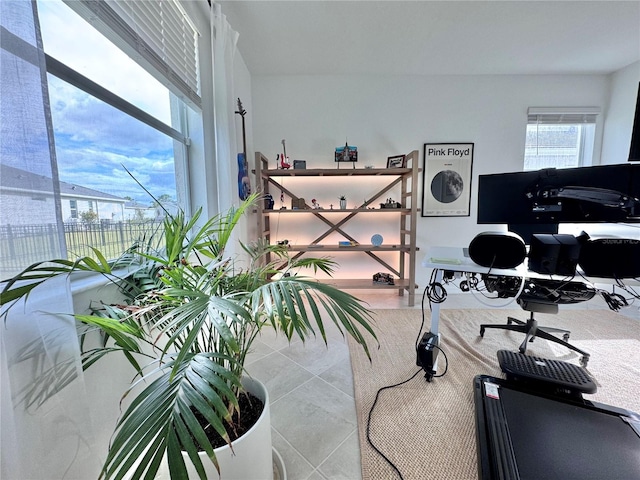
(270,180)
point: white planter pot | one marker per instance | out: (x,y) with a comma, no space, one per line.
(252,457)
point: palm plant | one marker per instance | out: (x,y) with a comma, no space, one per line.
(190,319)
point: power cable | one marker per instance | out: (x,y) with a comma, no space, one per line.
(386,459)
(425,294)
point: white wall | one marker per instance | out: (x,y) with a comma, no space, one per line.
(619,116)
(388,115)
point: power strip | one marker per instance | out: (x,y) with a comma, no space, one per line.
(427,354)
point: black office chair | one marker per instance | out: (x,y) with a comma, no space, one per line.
(544,296)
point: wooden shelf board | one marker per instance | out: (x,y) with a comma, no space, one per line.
(364,284)
(333,172)
(404,211)
(356,248)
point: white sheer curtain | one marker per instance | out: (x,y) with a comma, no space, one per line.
(30,215)
(38,347)
(46,433)
(224,40)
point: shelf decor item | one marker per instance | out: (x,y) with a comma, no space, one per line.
(383,278)
(343,202)
(348,153)
(390,203)
(397,161)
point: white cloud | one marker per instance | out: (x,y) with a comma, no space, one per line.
(74,42)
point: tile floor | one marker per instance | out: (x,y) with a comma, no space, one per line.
(313,413)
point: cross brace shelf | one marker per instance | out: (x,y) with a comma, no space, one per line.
(405,215)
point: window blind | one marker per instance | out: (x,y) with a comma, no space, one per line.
(562,116)
(157,34)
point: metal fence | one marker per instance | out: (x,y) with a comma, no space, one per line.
(23,245)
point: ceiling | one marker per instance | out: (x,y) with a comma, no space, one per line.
(435,37)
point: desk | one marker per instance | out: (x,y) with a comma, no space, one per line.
(454,259)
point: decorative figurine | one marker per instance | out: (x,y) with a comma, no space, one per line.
(314,204)
(268,201)
(282,163)
(284,160)
(390,203)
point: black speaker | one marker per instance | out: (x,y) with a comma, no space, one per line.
(611,258)
(497,249)
(555,254)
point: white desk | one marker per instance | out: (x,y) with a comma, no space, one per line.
(454,259)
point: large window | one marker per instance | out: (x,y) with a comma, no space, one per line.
(560,138)
(113,125)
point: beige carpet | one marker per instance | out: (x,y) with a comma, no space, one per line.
(428,429)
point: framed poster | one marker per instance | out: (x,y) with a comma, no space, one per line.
(446,180)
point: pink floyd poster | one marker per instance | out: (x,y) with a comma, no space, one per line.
(446,179)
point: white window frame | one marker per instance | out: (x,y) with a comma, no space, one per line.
(577,116)
(128,35)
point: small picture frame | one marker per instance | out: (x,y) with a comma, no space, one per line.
(397,161)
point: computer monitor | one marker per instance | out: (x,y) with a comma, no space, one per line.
(634,150)
(537,201)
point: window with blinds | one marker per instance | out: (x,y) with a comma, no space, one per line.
(158,34)
(90,107)
(560,137)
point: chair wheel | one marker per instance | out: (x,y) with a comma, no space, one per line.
(584,360)
(509,321)
(565,337)
(482,331)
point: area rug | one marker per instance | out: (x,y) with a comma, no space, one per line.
(428,429)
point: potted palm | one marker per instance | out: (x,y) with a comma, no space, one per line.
(189,320)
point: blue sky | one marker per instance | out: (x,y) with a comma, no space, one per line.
(93,139)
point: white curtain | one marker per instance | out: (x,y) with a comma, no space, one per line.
(30,215)
(45,434)
(47,431)
(224,40)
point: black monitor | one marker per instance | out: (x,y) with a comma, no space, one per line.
(537,201)
(634,150)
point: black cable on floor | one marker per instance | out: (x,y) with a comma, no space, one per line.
(369,422)
(426,293)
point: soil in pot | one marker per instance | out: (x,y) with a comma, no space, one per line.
(241,421)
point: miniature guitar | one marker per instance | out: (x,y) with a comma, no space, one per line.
(284,160)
